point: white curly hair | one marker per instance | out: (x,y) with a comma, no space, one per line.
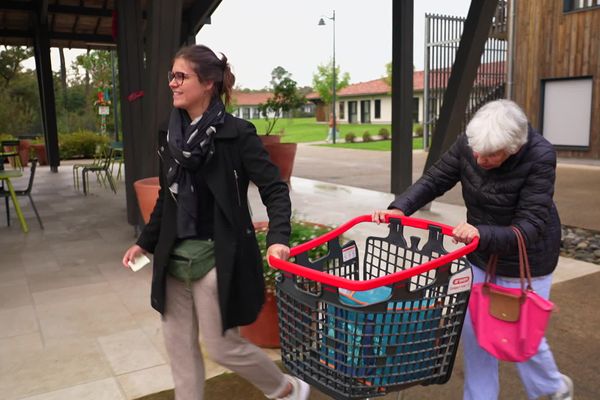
(498,125)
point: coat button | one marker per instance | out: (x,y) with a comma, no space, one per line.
(162,148)
(248,231)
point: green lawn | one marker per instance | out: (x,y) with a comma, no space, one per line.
(302,130)
(380,145)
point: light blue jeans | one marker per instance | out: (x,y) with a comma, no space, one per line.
(539,374)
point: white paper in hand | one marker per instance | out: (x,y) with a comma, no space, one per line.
(139,262)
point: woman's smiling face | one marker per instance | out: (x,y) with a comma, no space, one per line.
(189,93)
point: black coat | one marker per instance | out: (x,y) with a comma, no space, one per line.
(239,158)
(518,193)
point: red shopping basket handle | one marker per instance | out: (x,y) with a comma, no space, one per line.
(340,282)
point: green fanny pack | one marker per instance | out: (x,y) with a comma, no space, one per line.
(191,259)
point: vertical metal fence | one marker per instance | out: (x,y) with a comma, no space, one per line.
(442,38)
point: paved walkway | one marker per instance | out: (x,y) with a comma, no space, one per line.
(576,194)
(74,324)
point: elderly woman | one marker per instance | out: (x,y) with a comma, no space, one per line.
(507,173)
(207,274)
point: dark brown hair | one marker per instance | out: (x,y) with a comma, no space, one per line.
(210,68)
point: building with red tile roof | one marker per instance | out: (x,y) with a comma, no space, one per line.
(371,102)
(246,104)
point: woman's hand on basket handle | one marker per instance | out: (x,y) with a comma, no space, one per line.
(379,215)
(277,250)
(464,233)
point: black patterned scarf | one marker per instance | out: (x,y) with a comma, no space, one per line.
(192,145)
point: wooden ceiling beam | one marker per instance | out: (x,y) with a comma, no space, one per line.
(80,10)
(198,14)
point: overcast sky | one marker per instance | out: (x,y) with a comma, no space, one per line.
(260,35)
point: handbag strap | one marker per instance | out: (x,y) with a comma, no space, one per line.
(490,271)
(524,268)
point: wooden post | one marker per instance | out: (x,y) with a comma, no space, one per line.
(402,94)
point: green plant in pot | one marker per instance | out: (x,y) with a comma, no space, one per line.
(264,331)
(285,98)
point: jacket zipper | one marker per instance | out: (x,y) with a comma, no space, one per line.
(163,160)
(237,188)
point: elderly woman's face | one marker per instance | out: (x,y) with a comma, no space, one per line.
(492,160)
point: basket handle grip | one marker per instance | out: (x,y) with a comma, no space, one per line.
(340,282)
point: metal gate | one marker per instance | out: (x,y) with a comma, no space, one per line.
(442,38)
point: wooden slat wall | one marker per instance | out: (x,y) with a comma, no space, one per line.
(552,44)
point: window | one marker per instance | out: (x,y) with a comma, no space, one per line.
(415,110)
(576,5)
(352,112)
(377,109)
(341,111)
(246,113)
(255,113)
(567,112)
(365,111)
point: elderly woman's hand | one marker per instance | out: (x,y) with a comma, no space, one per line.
(379,215)
(464,233)
(280,251)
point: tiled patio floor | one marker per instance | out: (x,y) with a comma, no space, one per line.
(75,324)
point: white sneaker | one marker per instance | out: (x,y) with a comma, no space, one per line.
(300,389)
(566,393)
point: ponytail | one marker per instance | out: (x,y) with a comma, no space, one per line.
(210,68)
(228,81)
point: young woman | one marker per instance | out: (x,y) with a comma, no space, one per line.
(507,173)
(207,274)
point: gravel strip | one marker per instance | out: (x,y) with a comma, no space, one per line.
(580,244)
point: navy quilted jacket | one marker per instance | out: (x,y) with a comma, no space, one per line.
(518,193)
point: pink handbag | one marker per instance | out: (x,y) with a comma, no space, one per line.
(509,323)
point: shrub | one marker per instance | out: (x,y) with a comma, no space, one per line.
(418,129)
(366,137)
(350,137)
(384,133)
(6,136)
(81,144)
(301,232)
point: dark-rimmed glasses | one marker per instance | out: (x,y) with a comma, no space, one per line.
(178,76)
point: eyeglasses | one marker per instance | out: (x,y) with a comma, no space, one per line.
(178,76)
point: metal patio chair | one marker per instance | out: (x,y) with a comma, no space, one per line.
(26,192)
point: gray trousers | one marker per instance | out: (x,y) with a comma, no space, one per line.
(190,309)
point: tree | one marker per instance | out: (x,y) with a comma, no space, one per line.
(285,98)
(97,67)
(20,110)
(10,61)
(323,81)
(388,74)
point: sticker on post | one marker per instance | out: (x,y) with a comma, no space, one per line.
(349,253)
(460,282)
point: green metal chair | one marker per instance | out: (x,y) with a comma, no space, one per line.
(102,170)
(99,155)
(117,158)
(27,192)
(10,149)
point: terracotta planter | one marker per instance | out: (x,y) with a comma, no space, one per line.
(24,146)
(146,191)
(40,153)
(283,155)
(269,139)
(264,332)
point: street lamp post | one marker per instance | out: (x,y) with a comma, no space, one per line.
(334,127)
